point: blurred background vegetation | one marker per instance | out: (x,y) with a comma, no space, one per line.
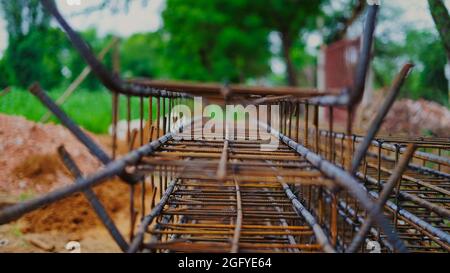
(221,41)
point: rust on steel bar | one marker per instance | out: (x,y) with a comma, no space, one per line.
(222,168)
(111,169)
(440,234)
(138,238)
(238,225)
(425,204)
(381,142)
(225,195)
(376,123)
(345,180)
(114,84)
(310,219)
(206,89)
(93,200)
(93,148)
(384,196)
(263,202)
(415,199)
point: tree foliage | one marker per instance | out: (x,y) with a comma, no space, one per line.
(141,55)
(220,40)
(228,39)
(33,46)
(428,77)
(291,19)
(215,40)
(441,19)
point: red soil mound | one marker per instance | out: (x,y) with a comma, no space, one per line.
(28,159)
(74,214)
(30,166)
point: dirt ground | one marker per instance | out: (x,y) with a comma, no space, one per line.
(408,117)
(29,167)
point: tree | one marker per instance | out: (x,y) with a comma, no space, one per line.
(142,55)
(3,74)
(215,40)
(291,19)
(23,17)
(33,46)
(425,50)
(441,19)
(73,64)
(229,39)
(113,5)
(339,21)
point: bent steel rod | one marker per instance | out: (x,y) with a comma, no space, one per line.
(352,218)
(391,147)
(138,238)
(93,148)
(93,200)
(239,218)
(114,84)
(216,89)
(112,169)
(384,195)
(345,180)
(412,166)
(426,204)
(309,218)
(365,55)
(441,235)
(376,123)
(437,232)
(351,96)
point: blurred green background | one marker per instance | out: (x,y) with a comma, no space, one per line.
(205,40)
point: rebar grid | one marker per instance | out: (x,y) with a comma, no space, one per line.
(319,191)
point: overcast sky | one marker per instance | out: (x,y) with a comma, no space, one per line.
(147,18)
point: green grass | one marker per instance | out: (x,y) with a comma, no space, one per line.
(16,232)
(90,109)
(26,196)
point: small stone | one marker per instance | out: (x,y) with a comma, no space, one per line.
(4,242)
(23,184)
(38,242)
(19,141)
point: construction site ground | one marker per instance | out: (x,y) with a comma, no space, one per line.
(30,166)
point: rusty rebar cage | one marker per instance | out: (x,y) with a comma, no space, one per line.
(318,191)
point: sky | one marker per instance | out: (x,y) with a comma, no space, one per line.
(147,18)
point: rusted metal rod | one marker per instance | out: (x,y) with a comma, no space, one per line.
(345,180)
(205,89)
(222,169)
(93,200)
(239,217)
(440,235)
(93,148)
(112,169)
(376,123)
(310,219)
(137,241)
(114,84)
(365,55)
(384,195)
